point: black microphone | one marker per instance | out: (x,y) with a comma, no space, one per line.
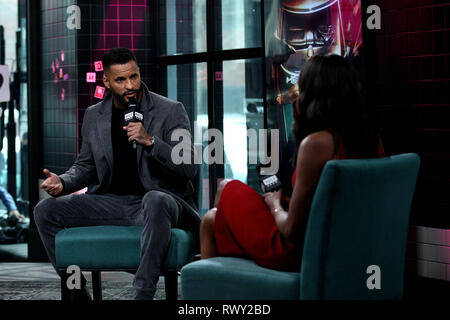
(131,115)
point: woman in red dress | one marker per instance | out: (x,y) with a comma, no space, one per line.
(330,122)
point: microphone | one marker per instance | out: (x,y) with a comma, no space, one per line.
(131,115)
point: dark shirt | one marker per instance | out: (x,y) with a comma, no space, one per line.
(125,176)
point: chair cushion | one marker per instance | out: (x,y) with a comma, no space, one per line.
(114,248)
(225,278)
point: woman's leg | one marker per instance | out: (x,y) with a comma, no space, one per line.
(220,188)
(208,248)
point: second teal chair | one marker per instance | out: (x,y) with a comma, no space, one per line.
(358,219)
(116,248)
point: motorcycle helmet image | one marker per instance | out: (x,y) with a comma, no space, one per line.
(307,28)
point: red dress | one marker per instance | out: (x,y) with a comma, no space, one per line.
(245,227)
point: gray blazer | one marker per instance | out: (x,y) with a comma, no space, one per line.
(93,166)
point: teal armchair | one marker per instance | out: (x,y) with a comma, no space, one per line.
(355,240)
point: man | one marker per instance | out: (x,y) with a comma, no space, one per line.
(13,214)
(10,231)
(129,186)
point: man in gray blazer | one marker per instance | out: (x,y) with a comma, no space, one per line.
(127,186)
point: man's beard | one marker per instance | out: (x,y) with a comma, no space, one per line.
(121,98)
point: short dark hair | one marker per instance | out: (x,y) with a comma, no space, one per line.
(117,56)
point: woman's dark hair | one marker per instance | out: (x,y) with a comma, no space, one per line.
(117,56)
(331,96)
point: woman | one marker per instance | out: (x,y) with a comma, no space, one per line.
(329,123)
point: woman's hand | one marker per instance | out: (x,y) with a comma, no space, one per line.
(273,200)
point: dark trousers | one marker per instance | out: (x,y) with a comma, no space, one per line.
(156,211)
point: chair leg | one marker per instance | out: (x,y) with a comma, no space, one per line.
(171,285)
(97,285)
(65,292)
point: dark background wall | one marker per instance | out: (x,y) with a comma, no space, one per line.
(109,24)
(413,84)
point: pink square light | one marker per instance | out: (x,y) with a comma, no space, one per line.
(98,66)
(91,77)
(99,92)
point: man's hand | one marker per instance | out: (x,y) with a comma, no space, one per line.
(136,131)
(52,185)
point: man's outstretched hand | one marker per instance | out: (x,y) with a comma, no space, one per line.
(52,185)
